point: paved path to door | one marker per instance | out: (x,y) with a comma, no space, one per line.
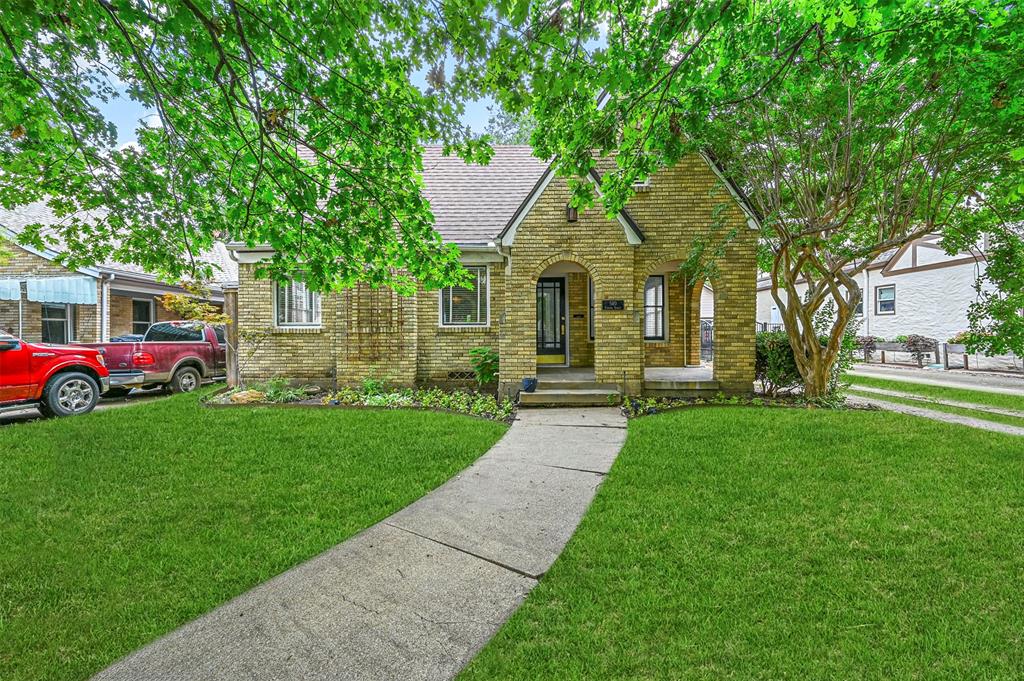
(418,594)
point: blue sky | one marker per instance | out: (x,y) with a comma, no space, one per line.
(125,114)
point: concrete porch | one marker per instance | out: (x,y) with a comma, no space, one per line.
(577,385)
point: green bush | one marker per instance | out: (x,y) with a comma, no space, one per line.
(485,364)
(774,365)
(461,401)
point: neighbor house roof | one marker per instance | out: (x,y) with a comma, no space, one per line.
(225,270)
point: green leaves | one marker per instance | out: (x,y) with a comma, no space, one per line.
(298,126)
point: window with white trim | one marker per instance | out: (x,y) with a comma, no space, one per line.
(467,305)
(885,299)
(654,308)
(58,323)
(296,305)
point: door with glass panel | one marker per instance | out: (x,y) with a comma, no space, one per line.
(551,321)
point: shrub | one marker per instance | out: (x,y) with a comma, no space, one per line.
(463,402)
(279,391)
(485,364)
(774,365)
(962,338)
(919,346)
(868,343)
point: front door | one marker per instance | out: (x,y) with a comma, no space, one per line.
(551,320)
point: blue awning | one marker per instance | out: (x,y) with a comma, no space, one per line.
(10,289)
(72,290)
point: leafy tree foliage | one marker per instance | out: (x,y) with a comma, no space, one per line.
(294,124)
(850,128)
(505,128)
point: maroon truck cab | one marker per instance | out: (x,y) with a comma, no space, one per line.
(62,380)
(180,355)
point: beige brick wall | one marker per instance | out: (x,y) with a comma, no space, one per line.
(680,206)
(268,352)
(26,264)
(686,202)
(121,312)
(367,332)
(446,349)
(581,348)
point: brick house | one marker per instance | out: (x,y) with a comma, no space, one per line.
(572,298)
(43,301)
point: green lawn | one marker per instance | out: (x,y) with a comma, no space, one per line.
(749,543)
(118,526)
(939,392)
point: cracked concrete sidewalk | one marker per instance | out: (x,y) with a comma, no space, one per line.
(418,594)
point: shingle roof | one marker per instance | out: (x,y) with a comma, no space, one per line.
(472,203)
(225,269)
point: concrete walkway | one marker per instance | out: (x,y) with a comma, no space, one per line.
(934,400)
(418,594)
(1002,384)
(946,417)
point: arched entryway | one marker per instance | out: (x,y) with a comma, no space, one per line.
(566,325)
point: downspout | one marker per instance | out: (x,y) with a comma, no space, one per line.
(105,280)
(21,312)
(864,299)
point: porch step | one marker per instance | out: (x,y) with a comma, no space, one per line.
(573,397)
(571,384)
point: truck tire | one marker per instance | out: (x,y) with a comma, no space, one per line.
(69,394)
(185,380)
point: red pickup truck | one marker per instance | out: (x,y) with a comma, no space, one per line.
(61,380)
(180,355)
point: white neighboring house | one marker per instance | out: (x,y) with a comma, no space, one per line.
(916,289)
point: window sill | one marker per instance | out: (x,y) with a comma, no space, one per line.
(463,329)
(297,329)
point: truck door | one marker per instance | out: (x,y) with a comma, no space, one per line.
(16,381)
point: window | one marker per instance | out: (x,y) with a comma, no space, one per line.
(221,334)
(885,299)
(859,311)
(654,308)
(590,294)
(462,306)
(296,305)
(175,332)
(58,323)
(142,316)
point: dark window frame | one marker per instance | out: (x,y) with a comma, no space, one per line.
(151,304)
(879,301)
(662,335)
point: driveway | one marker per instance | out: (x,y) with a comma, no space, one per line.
(135,397)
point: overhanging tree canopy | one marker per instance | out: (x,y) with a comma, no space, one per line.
(851,128)
(294,124)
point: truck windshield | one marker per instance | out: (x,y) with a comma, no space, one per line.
(175,332)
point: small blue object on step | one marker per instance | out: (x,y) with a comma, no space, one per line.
(529,385)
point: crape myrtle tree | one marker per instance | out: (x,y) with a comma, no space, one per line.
(297,124)
(849,128)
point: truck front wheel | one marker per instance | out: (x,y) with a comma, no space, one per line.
(185,380)
(69,394)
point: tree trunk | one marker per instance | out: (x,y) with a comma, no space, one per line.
(816,381)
